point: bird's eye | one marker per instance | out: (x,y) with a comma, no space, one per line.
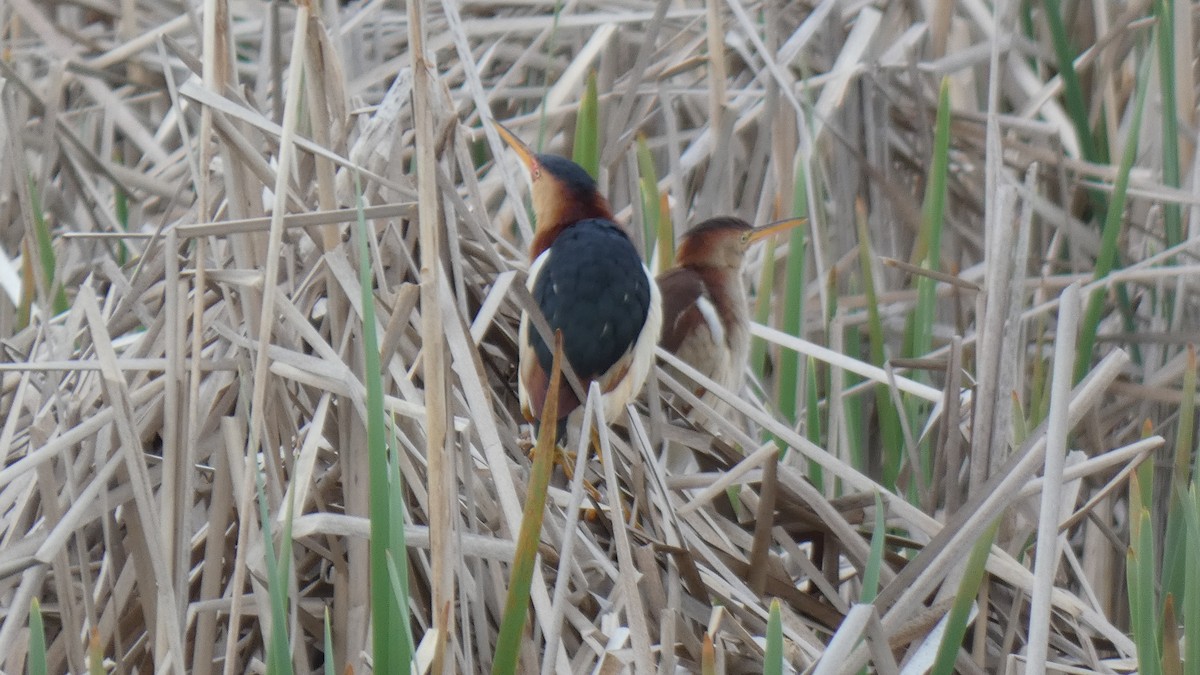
(746,238)
(536,172)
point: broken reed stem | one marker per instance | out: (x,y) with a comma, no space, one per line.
(1047,551)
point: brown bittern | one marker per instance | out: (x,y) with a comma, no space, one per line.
(590,283)
(706,321)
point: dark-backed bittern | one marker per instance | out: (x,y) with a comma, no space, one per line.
(590,283)
(706,320)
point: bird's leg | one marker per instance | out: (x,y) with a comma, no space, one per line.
(566,459)
(627,515)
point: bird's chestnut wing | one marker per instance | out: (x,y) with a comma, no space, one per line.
(681,290)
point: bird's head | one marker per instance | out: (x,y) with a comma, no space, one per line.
(722,242)
(563,192)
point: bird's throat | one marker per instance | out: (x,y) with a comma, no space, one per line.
(555,213)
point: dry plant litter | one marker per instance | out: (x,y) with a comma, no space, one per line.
(182,333)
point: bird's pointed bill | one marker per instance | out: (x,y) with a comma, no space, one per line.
(769,229)
(528,157)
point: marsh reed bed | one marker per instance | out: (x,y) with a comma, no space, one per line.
(262,265)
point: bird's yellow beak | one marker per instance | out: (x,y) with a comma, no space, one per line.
(769,229)
(523,151)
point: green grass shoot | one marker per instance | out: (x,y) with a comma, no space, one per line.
(875,559)
(929,243)
(57,297)
(1139,574)
(37,640)
(968,588)
(793,304)
(1175,543)
(1191,607)
(1020,423)
(773,661)
(853,407)
(586,151)
(1107,258)
(1073,95)
(891,435)
(516,606)
(279,652)
(919,337)
(389,613)
(651,200)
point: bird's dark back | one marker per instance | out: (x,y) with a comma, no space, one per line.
(594,288)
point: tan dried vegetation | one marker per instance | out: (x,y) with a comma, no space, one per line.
(182,321)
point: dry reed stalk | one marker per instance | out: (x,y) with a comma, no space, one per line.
(443,479)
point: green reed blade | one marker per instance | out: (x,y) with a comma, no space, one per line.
(512,623)
(389,614)
(586,151)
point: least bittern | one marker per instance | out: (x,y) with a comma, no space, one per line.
(706,321)
(590,283)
